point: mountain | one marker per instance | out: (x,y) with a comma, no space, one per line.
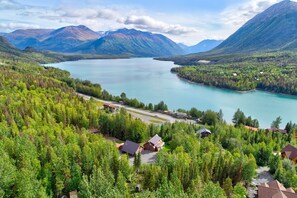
(5,46)
(203,46)
(273,29)
(183,46)
(24,38)
(131,42)
(60,40)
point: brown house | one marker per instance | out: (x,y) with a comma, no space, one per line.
(274,189)
(282,131)
(154,144)
(251,128)
(111,107)
(131,148)
(290,152)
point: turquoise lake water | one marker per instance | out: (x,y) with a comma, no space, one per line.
(149,80)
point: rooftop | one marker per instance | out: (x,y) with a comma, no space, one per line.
(155,140)
(275,189)
(130,147)
(203,130)
(290,151)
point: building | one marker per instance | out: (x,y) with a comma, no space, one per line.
(290,152)
(111,107)
(274,189)
(154,144)
(131,148)
(203,132)
(251,128)
(282,131)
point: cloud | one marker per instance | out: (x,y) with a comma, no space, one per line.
(15,26)
(150,24)
(101,13)
(238,15)
(9,5)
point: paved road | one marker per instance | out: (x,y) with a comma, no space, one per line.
(146,116)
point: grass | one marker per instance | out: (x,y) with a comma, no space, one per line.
(99,104)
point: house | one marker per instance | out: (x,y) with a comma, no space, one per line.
(290,152)
(282,131)
(154,144)
(111,107)
(274,189)
(131,148)
(203,132)
(251,128)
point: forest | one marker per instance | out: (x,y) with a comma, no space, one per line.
(244,76)
(269,71)
(46,149)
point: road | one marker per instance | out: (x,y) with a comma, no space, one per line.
(144,115)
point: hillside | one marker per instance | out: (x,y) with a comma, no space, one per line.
(131,42)
(273,29)
(59,40)
(47,149)
(7,51)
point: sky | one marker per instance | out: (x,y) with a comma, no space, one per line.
(183,21)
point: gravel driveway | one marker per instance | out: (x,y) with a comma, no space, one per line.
(147,157)
(263,176)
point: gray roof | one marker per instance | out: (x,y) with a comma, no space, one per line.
(203,130)
(155,140)
(130,147)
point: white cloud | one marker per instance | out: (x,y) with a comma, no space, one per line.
(150,24)
(9,5)
(99,13)
(238,15)
(14,26)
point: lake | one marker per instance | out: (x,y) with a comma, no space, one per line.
(149,80)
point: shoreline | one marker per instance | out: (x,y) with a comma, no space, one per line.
(242,92)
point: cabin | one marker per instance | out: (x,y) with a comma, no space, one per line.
(203,132)
(282,131)
(290,152)
(154,144)
(251,128)
(110,107)
(131,148)
(275,189)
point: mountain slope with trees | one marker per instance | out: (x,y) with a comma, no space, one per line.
(131,42)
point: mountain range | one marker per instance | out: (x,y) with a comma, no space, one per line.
(80,39)
(203,46)
(273,29)
(131,42)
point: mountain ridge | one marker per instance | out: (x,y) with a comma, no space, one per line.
(273,29)
(133,42)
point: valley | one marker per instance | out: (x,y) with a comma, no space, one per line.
(115,99)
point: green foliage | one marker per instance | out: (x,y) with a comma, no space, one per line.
(47,151)
(274,72)
(275,124)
